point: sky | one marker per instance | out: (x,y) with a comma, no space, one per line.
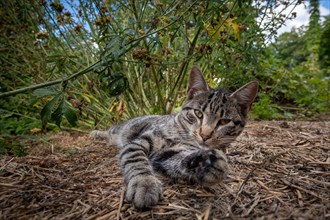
(303,15)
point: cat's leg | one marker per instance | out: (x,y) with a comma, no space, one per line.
(112,135)
(143,188)
(97,134)
(202,166)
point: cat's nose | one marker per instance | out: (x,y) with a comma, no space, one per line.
(205,137)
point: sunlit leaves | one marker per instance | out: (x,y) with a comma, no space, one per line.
(222,26)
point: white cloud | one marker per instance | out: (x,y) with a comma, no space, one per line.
(302,17)
(324,11)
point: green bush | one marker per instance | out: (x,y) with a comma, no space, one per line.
(95,63)
(264,109)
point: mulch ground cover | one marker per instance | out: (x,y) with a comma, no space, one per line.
(279,170)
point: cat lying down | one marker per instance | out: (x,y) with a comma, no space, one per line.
(183,146)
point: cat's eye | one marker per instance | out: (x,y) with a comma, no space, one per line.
(223,121)
(198,113)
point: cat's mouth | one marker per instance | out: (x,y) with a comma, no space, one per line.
(204,142)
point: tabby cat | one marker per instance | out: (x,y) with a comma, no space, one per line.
(183,146)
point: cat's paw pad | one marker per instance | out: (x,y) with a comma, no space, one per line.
(218,161)
(144,191)
(210,166)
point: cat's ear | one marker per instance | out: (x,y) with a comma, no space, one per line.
(197,82)
(245,96)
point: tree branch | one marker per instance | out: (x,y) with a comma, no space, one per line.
(50,83)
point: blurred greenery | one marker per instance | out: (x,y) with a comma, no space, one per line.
(94,63)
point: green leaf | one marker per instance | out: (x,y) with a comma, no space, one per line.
(118,86)
(47,109)
(70,114)
(64,109)
(57,114)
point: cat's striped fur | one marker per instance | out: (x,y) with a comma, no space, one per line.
(187,145)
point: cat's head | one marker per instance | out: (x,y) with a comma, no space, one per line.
(213,116)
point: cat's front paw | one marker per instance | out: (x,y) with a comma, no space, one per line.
(144,191)
(209,166)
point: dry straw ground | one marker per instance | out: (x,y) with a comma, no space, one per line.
(278,170)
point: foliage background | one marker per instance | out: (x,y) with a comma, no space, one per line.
(90,64)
